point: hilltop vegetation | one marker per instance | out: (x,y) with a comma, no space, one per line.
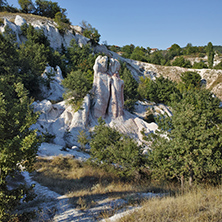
(173,56)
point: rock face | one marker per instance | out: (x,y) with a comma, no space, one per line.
(107,88)
(106,101)
(55,89)
(49,27)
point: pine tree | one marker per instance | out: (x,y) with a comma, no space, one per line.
(210,54)
(191,149)
(18,144)
(26,5)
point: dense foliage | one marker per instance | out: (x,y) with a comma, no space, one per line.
(77,86)
(192,146)
(90,32)
(18,143)
(174,55)
(159,90)
(110,148)
(191,80)
(78,83)
(180,61)
(130,88)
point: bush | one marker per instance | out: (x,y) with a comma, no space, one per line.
(61,21)
(158,91)
(191,80)
(200,65)
(130,88)
(77,86)
(191,149)
(90,32)
(181,62)
(110,148)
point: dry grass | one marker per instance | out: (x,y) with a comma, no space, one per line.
(81,182)
(28,17)
(197,205)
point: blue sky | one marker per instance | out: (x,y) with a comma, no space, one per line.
(149,23)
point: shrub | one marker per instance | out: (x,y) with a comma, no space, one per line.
(181,62)
(200,65)
(77,86)
(110,148)
(159,90)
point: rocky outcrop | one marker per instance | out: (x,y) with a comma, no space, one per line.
(64,124)
(107,88)
(56,39)
(52,89)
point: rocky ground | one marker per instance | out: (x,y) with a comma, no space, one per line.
(51,206)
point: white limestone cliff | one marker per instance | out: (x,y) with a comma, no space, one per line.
(61,121)
(54,90)
(56,39)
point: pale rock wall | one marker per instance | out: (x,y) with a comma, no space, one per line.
(55,89)
(49,27)
(61,121)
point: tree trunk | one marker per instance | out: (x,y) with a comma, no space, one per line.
(191,177)
(182,181)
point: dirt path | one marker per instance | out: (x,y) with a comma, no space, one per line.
(56,207)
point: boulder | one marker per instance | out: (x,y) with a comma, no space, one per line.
(19,21)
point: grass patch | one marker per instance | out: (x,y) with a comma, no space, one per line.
(216,82)
(82,183)
(199,204)
(28,17)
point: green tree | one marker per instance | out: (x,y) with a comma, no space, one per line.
(189,49)
(139,53)
(130,87)
(199,65)
(192,146)
(9,34)
(76,55)
(210,54)
(49,9)
(90,32)
(61,21)
(181,62)
(157,58)
(18,144)
(83,139)
(34,55)
(26,5)
(127,50)
(32,62)
(8,58)
(109,147)
(34,35)
(77,86)
(160,90)
(175,50)
(191,80)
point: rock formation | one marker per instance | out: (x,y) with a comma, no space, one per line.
(106,100)
(50,30)
(54,90)
(107,88)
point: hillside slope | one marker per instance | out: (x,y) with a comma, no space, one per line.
(57,40)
